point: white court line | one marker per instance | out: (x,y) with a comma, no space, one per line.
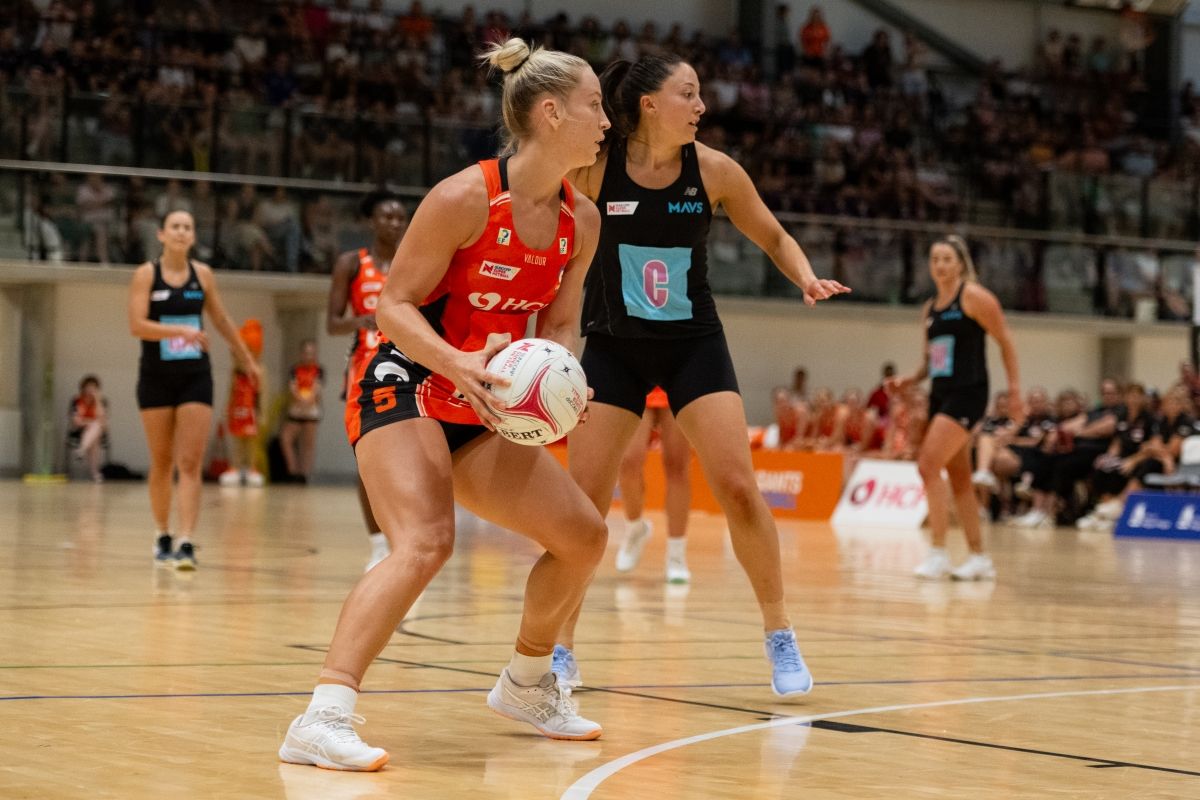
(584,787)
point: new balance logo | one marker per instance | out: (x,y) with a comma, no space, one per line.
(690,191)
(686,207)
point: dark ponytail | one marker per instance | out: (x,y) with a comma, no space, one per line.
(625,83)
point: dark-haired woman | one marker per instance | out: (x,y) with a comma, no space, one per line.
(422,419)
(651,320)
(168,299)
(957,322)
(358,277)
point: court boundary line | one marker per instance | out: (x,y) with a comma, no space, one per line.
(583,787)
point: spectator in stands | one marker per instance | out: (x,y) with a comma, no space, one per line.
(172,199)
(1126,461)
(280,220)
(1039,448)
(877,61)
(787,431)
(1076,444)
(1003,452)
(785,51)
(880,400)
(814,39)
(319,244)
(97,203)
(89,423)
(252,246)
(857,429)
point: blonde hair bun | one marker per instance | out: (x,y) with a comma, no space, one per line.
(507,56)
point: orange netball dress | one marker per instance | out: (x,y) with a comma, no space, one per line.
(490,286)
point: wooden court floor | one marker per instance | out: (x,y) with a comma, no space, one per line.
(1077,675)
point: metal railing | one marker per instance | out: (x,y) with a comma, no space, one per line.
(311,221)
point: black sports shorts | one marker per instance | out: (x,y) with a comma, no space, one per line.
(170,389)
(966,405)
(623,370)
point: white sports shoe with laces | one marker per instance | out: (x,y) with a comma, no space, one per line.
(325,738)
(546,706)
(630,553)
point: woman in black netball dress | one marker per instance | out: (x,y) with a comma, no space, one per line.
(168,299)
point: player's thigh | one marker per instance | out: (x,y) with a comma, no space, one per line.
(193,423)
(406,469)
(596,447)
(526,490)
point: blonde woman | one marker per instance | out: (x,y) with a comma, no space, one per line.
(421,420)
(957,322)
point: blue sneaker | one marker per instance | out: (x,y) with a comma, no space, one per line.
(563,665)
(162,551)
(185,557)
(789,674)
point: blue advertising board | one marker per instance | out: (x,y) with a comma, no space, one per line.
(1158,515)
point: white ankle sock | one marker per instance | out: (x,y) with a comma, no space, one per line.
(677,548)
(528,670)
(333,694)
(937,551)
(379,543)
(633,523)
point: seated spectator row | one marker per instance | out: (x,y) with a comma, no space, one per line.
(361,94)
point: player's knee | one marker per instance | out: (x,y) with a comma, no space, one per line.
(589,536)
(433,548)
(929,468)
(189,464)
(739,495)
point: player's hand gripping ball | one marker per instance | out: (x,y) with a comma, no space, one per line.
(547,393)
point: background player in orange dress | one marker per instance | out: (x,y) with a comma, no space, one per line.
(298,434)
(358,278)
(241,418)
(676,459)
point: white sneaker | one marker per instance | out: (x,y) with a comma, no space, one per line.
(230,477)
(978,567)
(547,707)
(935,566)
(677,571)
(631,549)
(985,479)
(1110,509)
(254,479)
(1095,522)
(1034,519)
(325,738)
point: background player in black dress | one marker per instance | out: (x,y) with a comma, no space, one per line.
(957,322)
(168,299)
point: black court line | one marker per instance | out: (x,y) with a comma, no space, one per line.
(1104,763)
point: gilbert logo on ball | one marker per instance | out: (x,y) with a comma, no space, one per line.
(547,393)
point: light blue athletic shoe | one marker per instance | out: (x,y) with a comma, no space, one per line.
(563,665)
(789,673)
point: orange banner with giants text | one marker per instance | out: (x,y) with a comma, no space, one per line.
(795,485)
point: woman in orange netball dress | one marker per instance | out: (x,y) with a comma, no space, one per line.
(487,248)
(358,278)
